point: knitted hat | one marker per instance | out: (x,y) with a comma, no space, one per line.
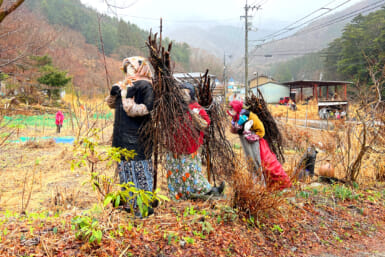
(190,87)
(237,107)
(136,66)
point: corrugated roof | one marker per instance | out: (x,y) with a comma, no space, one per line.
(272,82)
(311,83)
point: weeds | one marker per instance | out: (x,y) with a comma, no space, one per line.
(277,228)
(26,193)
(87,229)
(342,192)
(129,194)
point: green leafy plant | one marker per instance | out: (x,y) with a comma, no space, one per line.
(188,239)
(87,154)
(207,227)
(189,211)
(304,194)
(277,228)
(170,236)
(87,228)
(342,192)
(130,193)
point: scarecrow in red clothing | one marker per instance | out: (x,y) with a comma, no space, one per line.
(59,118)
(183,163)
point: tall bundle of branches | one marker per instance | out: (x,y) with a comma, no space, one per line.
(217,149)
(272,134)
(169,112)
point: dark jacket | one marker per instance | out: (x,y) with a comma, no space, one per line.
(126,132)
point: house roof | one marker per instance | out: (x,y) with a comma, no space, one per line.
(192,75)
(262,76)
(272,82)
(312,83)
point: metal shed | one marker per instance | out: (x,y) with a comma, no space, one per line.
(272,91)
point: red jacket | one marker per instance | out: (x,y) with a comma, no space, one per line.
(59,118)
(187,143)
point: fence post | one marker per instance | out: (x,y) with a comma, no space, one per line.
(306,116)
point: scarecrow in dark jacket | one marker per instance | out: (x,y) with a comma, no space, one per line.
(183,163)
(306,164)
(133,100)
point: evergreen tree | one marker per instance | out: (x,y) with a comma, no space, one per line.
(54,79)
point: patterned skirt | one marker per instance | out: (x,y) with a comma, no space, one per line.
(138,172)
(184,176)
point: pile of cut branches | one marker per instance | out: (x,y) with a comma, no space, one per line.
(167,131)
(257,105)
(217,149)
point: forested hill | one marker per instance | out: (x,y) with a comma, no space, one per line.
(358,56)
(121,38)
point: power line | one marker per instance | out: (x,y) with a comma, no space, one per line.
(289,27)
(310,14)
(366,8)
(346,16)
(178,21)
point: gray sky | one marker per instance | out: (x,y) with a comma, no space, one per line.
(146,13)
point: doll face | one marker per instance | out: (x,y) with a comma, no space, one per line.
(231,112)
(186,95)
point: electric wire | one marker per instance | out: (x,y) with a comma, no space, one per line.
(367,8)
(290,28)
(301,19)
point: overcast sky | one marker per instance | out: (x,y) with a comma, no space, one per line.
(146,13)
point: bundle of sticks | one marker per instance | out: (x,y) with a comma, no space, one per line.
(273,136)
(169,111)
(216,150)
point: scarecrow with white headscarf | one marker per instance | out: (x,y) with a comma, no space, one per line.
(133,100)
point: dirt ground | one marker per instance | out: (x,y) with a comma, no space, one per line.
(310,221)
(53,175)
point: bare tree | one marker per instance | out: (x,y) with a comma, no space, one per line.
(8,7)
(358,139)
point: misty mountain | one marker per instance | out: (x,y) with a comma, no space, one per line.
(311,39)
(217,39)
(230,39)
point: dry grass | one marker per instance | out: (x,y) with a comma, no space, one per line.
(252,197)
(283,111)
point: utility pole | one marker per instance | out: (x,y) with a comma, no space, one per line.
(224,72)
(247,7)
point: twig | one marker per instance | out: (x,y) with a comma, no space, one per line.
(125,250)
(45,248)
(104,56)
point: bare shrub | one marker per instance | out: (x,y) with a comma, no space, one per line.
(40,144)
(252,198)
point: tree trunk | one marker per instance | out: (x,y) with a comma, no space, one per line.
(5,12)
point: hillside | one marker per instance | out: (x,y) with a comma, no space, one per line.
(68,49)
(68,32)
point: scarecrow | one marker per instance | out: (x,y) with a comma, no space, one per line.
(178,128)
(133,100)
(59,118)
(252,129)
(183,163)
